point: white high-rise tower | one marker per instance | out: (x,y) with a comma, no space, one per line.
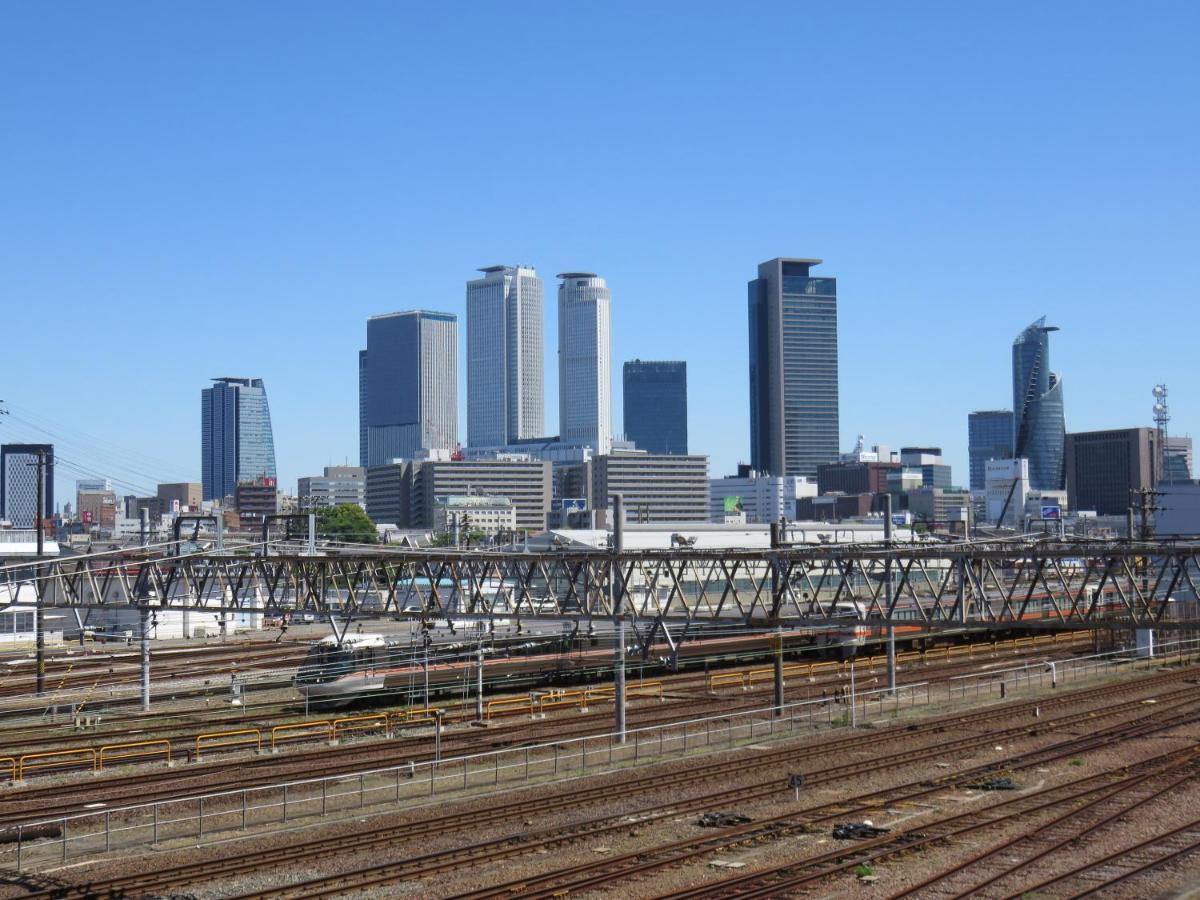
(505,376)
(585,361)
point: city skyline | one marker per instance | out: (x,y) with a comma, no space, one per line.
(219,187)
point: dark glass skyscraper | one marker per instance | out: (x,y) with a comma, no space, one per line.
(1039,427)
(408,384)
(655,399)
(236,441)
(793,369)
(989,436)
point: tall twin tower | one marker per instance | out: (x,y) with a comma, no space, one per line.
(408,375)
(505,358)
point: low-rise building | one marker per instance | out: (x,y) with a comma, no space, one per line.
(757,498)
(1006,486)
(655,488)
(405,493)
(834,507)
(337,486)
(939,505)
(463,515)
(179,497)
(255,500)
(864,477)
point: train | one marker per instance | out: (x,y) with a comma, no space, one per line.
(366,665)
(370,664)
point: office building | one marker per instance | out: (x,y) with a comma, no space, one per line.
(854,477)
(761,499)
(656,488)
(336,486)
(585,360)
(934,471)
(505,373)
(989,436)
(1006,487)
(405,493)
(1039,428)
(97,509)
(466,515)
(793,369)
(1104,466)
(937,505)
(179,497)
(362,408)
(19,486)
(256,499)
(409,384)
(236,442)
(655,402)
(1177,460)
(834,507)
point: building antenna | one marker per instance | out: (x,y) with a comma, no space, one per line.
(1161,417)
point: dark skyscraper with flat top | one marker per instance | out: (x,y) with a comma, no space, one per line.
(793,369)
(1039,427)
(655,399)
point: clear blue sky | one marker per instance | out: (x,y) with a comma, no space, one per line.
(199,189)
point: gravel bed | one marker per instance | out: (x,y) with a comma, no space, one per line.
(638,836)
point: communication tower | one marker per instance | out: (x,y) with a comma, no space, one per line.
(1161,417)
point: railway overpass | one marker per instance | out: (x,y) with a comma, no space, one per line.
(980,584)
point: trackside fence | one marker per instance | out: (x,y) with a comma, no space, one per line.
(49,842)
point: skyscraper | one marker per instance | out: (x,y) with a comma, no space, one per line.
(585,361)
(362,408)
(410,385)
(793,369)
(505,380)
(18,483)
(655,400)
(989,436)
(1039,428)
(236,442)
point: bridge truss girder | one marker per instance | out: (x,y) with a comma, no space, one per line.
(932,585)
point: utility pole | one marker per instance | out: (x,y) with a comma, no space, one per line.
(618,592)
(39,590)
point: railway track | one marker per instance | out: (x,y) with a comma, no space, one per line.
(1122,866)
(611,872)
(819,686)
(253,860)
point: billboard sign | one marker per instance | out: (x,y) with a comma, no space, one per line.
(733,505)
(1052,512)
(569,504)
(899,519)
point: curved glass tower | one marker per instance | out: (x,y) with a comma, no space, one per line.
(1039,428)
(237,443)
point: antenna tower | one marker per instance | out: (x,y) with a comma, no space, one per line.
(1161,417)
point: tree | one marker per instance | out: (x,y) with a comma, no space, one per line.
(347,523)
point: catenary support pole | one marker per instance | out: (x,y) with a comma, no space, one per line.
(887,594)
(479,682)
(144,537)
(39,612)
(777,638)
(311,549)
(618,504)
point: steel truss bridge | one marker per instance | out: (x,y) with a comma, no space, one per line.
(977,584)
